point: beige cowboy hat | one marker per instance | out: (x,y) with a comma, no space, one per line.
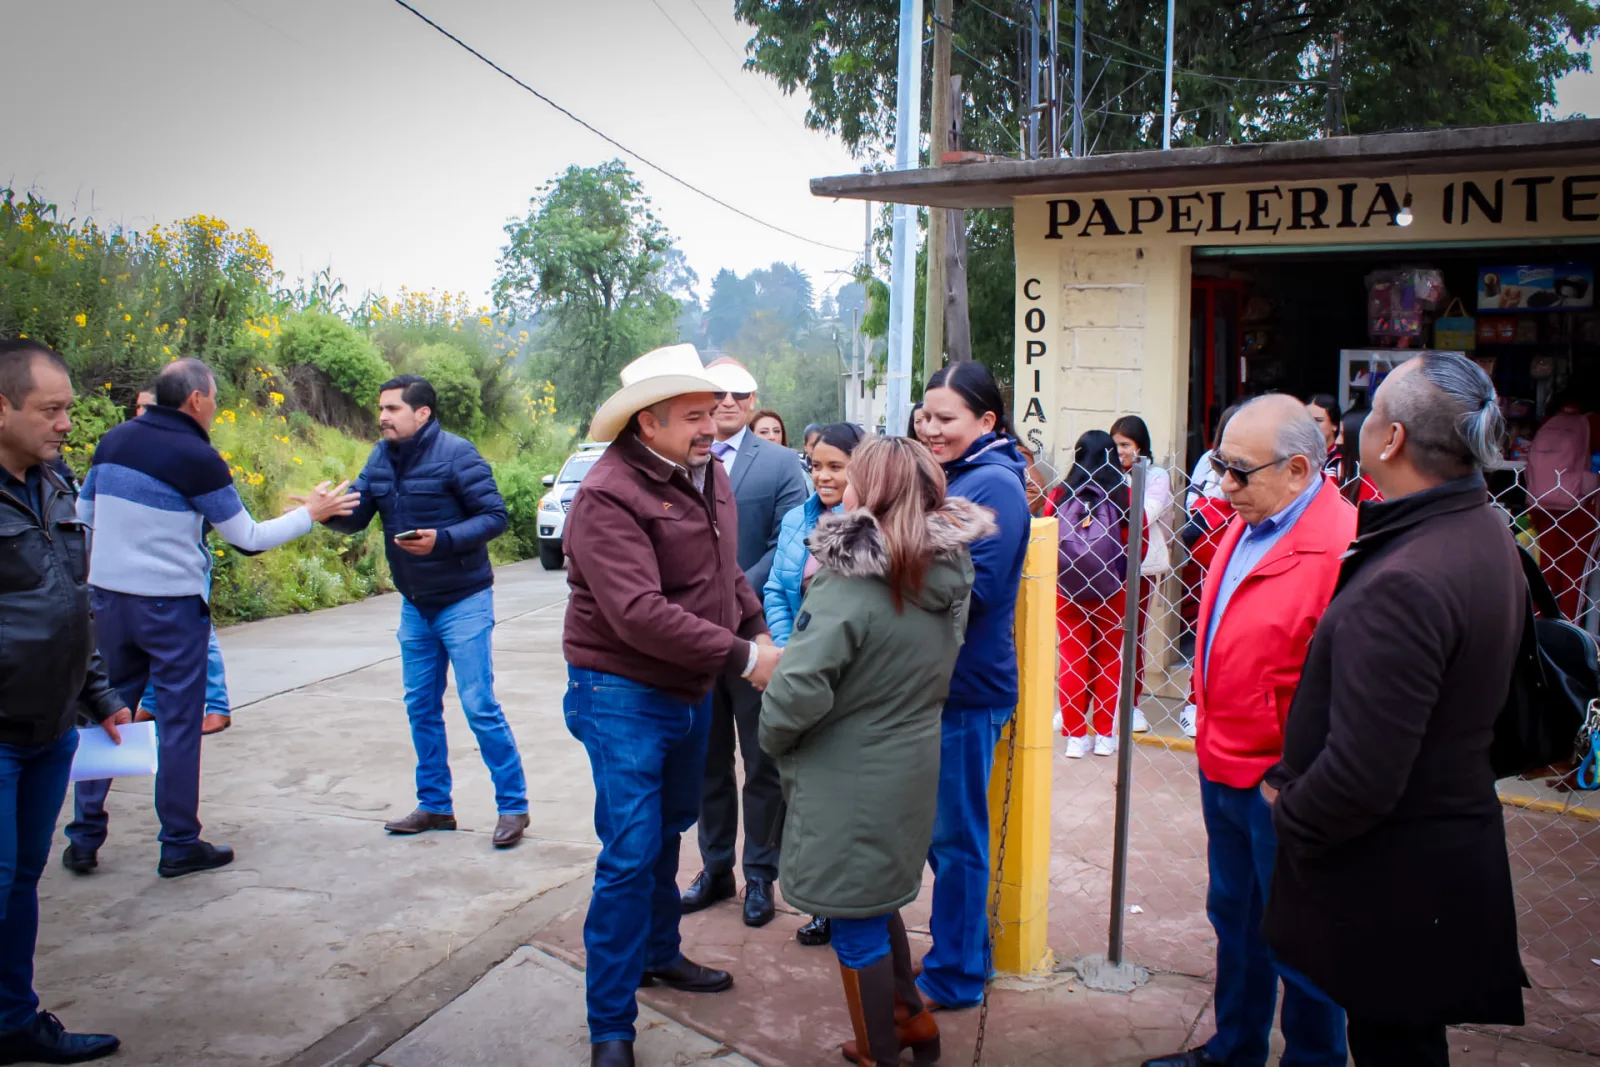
(653,377)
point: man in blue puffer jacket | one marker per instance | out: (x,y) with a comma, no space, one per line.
(440,509)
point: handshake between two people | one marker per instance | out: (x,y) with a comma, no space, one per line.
(767,657)
(324,503)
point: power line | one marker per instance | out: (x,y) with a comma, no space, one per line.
(497,68)
(699,10)
(712,66)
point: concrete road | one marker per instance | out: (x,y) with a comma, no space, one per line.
(326,931)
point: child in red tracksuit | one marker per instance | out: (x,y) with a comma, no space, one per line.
(1092,508)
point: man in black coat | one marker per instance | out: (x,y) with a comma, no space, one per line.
(767,481)
(48,671)
(1392,890)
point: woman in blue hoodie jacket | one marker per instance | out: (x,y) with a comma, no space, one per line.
(967,429)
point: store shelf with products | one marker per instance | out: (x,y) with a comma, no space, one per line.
(1336,322)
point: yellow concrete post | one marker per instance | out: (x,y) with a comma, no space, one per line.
(1021,945)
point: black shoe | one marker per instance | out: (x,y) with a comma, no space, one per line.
(707,889)
(80,860)
(203,857)
(688,977)
(45,1040)
(816,932)
(611,1054)
(1195,1057)
(758,906)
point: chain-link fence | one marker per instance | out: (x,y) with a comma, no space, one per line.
(1552,830)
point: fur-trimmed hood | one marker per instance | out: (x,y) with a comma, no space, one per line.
(851,545)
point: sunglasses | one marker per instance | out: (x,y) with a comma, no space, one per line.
(741,397)
(1223,468)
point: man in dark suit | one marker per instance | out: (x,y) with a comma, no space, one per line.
(767,481)
(1392,890)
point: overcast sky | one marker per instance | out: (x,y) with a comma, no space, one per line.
(348,133)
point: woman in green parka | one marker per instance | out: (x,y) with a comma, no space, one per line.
(852,717)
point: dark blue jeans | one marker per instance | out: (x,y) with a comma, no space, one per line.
(460,638)
(859,943)
(956,968)
(648,753)
(1240,849)
(165,642)
(33,784)
(87,830)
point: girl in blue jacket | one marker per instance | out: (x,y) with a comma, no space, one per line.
(786,580)
(965,425)
(792,561)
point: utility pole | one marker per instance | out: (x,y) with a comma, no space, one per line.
(859,345)
(938,217)
(1077,79)
(1166,105)
(1055,79)
(1033,78)
(902,276)
(957,321)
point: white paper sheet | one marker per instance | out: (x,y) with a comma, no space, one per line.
(98,758)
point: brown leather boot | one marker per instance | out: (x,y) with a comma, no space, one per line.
(419,821)
(869,993)
(918,1032)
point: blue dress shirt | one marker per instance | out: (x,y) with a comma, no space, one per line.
(1252,548)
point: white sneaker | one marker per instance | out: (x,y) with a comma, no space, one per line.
(1077,747)
(1105,746)
(1055,722)
(1186,720)
(1141,725)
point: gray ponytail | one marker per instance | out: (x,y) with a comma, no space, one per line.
(1451,415)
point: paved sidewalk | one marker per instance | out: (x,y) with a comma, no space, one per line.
(326,931)
(331,944)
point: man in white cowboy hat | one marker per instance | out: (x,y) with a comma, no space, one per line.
(659,610)
(768,480)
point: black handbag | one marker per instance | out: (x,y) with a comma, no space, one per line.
(1556,677)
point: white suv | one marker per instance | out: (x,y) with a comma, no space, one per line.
(555,504)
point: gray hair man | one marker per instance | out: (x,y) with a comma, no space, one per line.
(153,486)
(1386,779)
(1271,579)
(768,480)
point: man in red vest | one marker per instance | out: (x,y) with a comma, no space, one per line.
(1272,577)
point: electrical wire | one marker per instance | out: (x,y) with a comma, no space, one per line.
(701,11)
(1146,55)
(497,68)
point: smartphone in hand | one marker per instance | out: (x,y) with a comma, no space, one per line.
(409,535)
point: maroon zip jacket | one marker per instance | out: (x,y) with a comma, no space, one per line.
(657,593)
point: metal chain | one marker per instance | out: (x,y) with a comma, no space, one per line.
(994,901)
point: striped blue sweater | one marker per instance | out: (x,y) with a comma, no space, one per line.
(153,486)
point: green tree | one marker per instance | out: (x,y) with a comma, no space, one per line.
(600,269)
(449,370)
(1245,73)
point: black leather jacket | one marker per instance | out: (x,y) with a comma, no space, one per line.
(50,669)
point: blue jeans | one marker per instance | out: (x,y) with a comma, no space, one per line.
(955,969)
(1240,849)
(458,637)
(648,752)
(859,943)
(162,641)
(33,783)
(87,830)
(216,683)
